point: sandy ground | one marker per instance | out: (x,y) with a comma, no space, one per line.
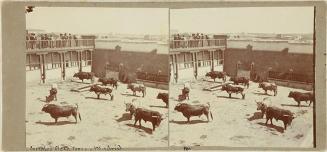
(236,122)
(104,122)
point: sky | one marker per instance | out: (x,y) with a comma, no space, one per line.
(243,19)
(88,20)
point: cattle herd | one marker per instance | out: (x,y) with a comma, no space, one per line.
(238,85)
(101,88)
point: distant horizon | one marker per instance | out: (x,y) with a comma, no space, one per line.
(243,19)
(86,20)
(171,32)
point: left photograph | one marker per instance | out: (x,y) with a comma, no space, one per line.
(96,78)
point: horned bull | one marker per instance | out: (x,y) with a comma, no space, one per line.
(57,111)
(189,111)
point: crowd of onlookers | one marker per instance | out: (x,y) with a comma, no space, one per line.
(192,40)
(50,40)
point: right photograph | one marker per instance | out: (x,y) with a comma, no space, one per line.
(242,77)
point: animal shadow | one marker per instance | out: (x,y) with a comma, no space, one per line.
(255,116)
(294,105)
(129,95)
(96,98)
(59,123)
(213,81)
(42,100)
(80,82)
(228,97)
(158,106)
(185,122)
(124,117)
(262,94)
(147,130)
(277,128)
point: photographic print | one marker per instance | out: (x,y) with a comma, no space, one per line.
(96,78)
(242,77)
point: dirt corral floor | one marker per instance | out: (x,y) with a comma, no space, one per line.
(237,122)
(104,122)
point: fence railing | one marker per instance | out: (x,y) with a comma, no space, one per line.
(177,44)
(152,77)
(49,44)
(290,76)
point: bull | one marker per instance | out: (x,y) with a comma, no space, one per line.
(84,75)
(147,115)
(137,88)
(216,74)
(233,89)
(299,96)
(194,110)
(99,90)
(268,86)
(279,114)
(57,111)
(164,97)
(240,80)
(111,81)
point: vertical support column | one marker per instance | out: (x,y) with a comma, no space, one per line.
(91,59)
(196,65)
(217,57)
(176,74)
(44,70)
(29,61)
(193,64)
(70,58)
(51,60)
(64,66)
(40,67)
(86,57)
(80,61)
(172,65)
(212,60)
(61,67)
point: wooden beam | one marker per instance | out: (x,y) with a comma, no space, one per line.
(86,57)
(29,61)
(64,66)
(70,58)
(40,67)
(91,59)
(176,74)
(80,61)
(44,70)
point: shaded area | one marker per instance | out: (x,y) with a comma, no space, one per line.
(294,105)
(228,97)
(76,81)
(185,122)
(262,94)
(158,106)
(96,98)
(56,124)
(127,94)
(125,117)
(255,116)
(42,100)
(277,128)
(147,130)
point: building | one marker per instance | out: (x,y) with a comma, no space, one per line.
(190,59)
